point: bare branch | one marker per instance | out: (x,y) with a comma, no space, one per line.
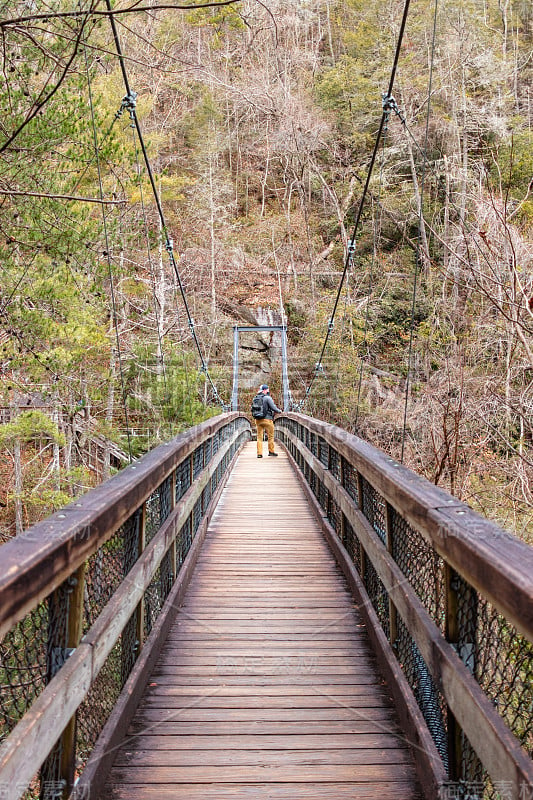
(11,192)
(44,99)
(131,9)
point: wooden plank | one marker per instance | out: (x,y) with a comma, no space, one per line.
(370,774)
(395,790)
(163,756)
(299,741)
(266,679)
(225,691)
(350,712)
(213,700)
(226,671)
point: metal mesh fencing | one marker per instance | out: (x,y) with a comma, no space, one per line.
(421,565)
(23,667)
(349,480)
(108,566)
(430,701)
(198,461)
(323,451)
(499,657)
(352,544)
(378,595)
(335,464)
(102,697)
(183,478)
(374,508)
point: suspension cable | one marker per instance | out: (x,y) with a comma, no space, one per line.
(150,262)
(130,102)
(419,237)
(387,100)
(108,258)
(377,237)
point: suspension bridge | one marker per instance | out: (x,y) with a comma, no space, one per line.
(205,625)
(324,624)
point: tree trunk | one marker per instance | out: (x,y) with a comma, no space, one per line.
(19,525)
(106,453)
(423,249)
(212,239)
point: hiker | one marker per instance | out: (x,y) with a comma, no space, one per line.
(263,410)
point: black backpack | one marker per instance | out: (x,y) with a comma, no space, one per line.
(258,408)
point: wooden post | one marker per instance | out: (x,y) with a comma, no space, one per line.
(139,633)
(74,634)
(343,518)
(393,614)
(362,552)
(452,635)
(172,551)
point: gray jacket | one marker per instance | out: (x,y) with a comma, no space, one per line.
(269,407)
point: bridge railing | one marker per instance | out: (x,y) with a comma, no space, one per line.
(448,598)
(80,595)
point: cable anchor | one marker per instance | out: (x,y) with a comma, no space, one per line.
(331,325)
(129,102)
(169,245)
(389,104)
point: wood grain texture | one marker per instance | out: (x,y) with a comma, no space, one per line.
(266,686)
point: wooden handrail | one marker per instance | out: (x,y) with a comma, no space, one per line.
(35,563)
(493,561)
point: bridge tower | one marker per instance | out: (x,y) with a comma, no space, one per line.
(237,330)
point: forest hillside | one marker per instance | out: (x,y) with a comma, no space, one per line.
(259,121)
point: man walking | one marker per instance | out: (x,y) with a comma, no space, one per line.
(263,410)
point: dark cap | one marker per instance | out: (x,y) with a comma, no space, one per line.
(263,386)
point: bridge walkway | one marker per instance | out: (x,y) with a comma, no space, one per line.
(266,686)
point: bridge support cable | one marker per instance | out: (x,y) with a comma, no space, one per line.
(387,99)
(108,259)
(237,330)
(161,355)
(131,101)
(419,236)
(377,236)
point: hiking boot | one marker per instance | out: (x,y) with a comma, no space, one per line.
(273,454)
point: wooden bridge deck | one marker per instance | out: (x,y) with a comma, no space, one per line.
(266,686)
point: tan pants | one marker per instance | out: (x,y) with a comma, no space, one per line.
(268,426)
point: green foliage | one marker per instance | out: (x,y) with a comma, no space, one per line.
(219,21)
(350,96)
(30,426)
(162,402)
(515,164)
